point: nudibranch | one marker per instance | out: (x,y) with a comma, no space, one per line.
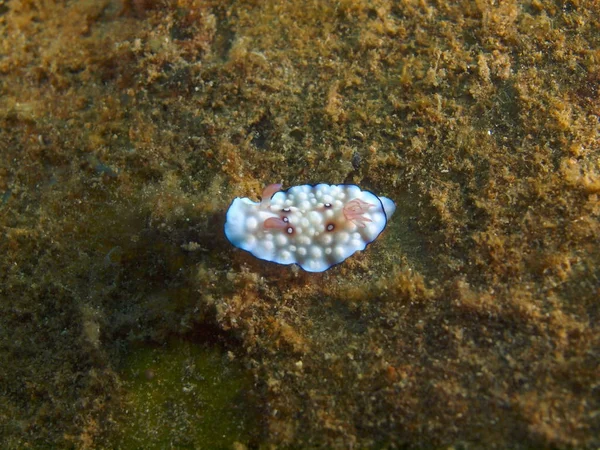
(314,226)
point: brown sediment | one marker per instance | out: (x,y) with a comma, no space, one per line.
(126,129)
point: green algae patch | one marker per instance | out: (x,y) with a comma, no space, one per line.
(183,395)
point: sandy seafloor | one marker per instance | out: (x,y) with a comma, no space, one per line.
(127,320)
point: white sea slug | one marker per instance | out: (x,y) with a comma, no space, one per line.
(315,227)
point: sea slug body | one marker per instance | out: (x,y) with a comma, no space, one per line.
(314,226)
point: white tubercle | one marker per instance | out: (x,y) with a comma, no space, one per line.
(315,227)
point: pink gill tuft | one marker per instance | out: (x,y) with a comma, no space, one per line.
(354,210)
